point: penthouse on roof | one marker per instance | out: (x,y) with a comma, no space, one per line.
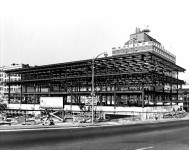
(141,41)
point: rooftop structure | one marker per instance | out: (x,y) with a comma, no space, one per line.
(141,41)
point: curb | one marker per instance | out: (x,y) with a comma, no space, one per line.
(6,126)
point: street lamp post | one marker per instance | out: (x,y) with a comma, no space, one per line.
(92,90)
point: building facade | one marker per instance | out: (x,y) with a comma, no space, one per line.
(184,96)
(4,90)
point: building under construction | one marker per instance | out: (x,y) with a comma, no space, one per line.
(141,73)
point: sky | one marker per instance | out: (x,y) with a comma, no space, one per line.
(42,32)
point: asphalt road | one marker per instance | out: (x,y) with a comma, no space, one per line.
(154,136)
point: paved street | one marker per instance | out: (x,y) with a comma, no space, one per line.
(157,136)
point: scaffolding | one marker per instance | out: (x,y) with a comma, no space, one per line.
(137,79)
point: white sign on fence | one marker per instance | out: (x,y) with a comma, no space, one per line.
(54,102)
(88,101)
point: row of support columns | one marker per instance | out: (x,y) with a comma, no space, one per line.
(115,95)
(78,88)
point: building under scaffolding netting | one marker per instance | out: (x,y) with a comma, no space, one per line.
(141,73)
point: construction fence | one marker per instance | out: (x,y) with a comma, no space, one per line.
(57,116)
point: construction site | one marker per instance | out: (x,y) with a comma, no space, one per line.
(140,80)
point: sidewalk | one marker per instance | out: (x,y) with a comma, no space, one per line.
(67,125)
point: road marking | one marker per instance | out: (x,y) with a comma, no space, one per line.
(145,148)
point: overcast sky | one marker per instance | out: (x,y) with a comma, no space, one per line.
(41,32)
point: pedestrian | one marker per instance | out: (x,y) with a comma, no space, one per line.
(47,114)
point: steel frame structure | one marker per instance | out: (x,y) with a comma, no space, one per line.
(117,80)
